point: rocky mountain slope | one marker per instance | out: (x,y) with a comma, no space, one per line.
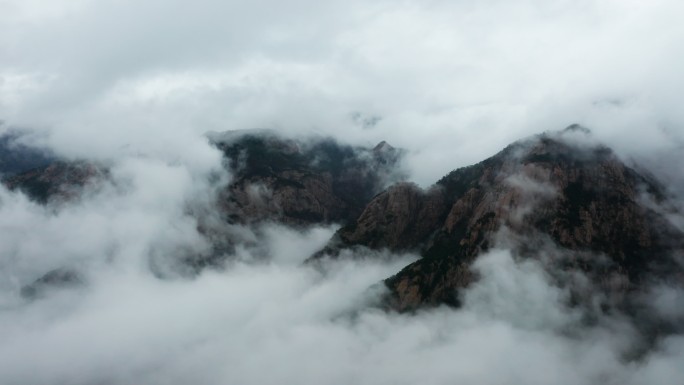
(58,180)
(556,197)
(302,182)
(297,182)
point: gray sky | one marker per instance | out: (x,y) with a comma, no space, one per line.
(453,81)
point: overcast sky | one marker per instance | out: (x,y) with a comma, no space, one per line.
(139,83)
(452,81)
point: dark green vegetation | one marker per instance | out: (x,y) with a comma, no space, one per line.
(569,202)
(16,158)
(303,182)
(297,182)
(58,179)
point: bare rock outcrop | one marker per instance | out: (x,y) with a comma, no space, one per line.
(303,182)
(556,193)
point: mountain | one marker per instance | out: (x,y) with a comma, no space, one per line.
(58,180)
(16,157)
(302,182)
(557,197)
(297,182)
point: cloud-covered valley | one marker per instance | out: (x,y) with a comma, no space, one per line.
(135,88)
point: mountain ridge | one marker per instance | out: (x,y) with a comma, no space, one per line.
(557,191)
(558,197)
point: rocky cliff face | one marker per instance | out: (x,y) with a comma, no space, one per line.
(295,182)
(554,195)
(302,182)
(311,181)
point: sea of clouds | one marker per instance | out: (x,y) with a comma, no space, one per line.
(137,85)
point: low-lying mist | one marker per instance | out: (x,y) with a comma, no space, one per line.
(267,317)
(97,290)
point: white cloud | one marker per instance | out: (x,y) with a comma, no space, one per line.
(137,84)
(275,322)
(453,82)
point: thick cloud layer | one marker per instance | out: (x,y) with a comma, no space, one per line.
(137,84)
(267,318)
(278,322)
(450,81)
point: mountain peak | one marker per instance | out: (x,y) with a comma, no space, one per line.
(575,127)
(550,194)
(383,147)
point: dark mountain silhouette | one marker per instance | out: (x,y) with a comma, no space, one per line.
(16,157)
(302,182)
(60,180)
(297,182)
(556,197)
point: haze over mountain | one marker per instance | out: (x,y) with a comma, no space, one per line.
(410,208)
(552,194)
(598,234)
